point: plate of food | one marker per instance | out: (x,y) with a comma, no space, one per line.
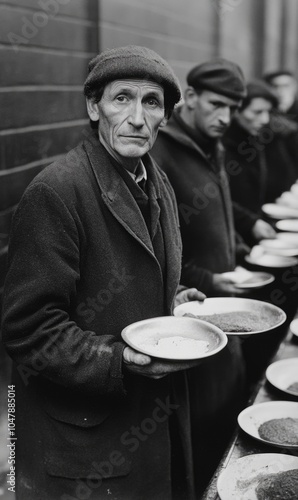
(274,423)
(261,476)
(294,189)
(244,279)
(276,211)
(234,315)
(280,247)
(294,327)
(283,375)
(288,237)
(287,225)
(261,257)
(288,199)
(174,338)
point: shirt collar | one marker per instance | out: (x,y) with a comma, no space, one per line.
(140,173)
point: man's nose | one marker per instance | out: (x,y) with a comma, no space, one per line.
(225,115)
(136,116)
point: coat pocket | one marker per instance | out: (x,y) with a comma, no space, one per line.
(84,447)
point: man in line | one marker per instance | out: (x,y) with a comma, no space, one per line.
(93,250)
(255,183)
(285,118)
(264,172)
(189,150)
(285,85)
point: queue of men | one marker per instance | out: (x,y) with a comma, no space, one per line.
(95,418)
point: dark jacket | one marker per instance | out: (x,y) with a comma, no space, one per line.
(248,184)
(81,268)
(204,204)
(262,168)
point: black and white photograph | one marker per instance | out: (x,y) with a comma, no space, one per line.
(149,250)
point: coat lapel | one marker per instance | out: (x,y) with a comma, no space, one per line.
(123,206)
(171,233)
(116,194)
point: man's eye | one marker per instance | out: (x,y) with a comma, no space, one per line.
(152,102)
(121,98)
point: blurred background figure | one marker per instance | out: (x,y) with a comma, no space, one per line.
(262,166)
(284,121)
(285,86)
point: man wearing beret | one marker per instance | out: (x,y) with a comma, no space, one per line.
(189,150)
(95,246)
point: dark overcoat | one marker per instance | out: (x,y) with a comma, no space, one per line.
(82,267)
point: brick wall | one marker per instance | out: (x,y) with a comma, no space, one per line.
(45,46)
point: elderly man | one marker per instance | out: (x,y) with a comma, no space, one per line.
(93,250)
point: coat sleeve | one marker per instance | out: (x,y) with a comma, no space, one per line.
(244,220)
(40,292)
(195,276)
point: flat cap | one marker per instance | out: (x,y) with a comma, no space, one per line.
(258,88)
(220,76)
(132,61)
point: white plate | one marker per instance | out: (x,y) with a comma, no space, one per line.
(143,336)
(279,211)
(294,327)
(288,199)
(283,373)
(262,258)
(240,479)
(294,189)
(288,237)
(252,417)
(244,279)
(217,305)
(287,225)
(279,247)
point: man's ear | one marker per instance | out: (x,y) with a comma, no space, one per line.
(163,122)
(92,108)
(190,98)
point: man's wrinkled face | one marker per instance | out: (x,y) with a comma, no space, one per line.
(130,113)
(286,87)
(255,115)
(213,113)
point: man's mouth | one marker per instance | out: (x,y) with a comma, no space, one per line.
(141,137)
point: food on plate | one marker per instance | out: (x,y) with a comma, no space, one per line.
(176,346)
(280,486)
(293,387)
(280,430)
(237,321)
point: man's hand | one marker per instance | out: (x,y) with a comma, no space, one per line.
(188,295)
(225,286)
(262,230)
(156,368)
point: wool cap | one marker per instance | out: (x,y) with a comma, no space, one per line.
(258,88)
(132,61)
(218,75)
